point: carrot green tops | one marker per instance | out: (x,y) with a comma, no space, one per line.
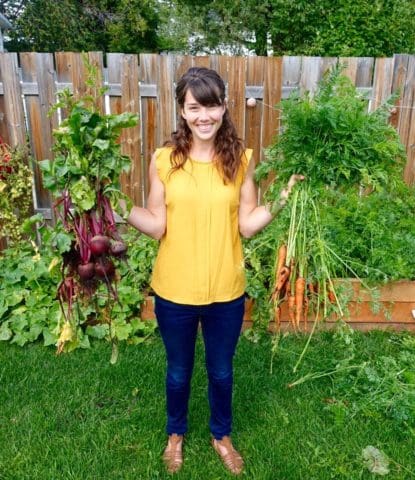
(200,257)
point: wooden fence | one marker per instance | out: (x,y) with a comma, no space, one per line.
(145,84)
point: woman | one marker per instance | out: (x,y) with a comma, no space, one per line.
(202,197)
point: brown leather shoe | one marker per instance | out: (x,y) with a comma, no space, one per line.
(230,457)
(173,453)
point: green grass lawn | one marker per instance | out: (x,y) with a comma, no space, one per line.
(76,416)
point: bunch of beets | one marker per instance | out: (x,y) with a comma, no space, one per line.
(90,258)
(84,178)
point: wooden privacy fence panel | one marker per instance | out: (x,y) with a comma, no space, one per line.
(146,83)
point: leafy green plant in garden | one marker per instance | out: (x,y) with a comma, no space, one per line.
(375,233)
(28,306)
(352,162)
(15,191)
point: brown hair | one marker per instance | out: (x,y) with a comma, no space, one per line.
(208,88)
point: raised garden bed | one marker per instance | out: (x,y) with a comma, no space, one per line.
(395,309)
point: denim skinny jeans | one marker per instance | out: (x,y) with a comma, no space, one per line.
(221,326)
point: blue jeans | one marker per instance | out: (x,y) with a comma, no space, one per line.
(221,326)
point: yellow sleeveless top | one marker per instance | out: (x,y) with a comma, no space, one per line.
(200,258)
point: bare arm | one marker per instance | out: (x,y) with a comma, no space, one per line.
(253,218)
(152,219)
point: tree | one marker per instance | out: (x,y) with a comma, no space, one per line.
(224,26)
(103,25)
(283,27)
(42,25)
(343,28)
(321,27)
(134,27)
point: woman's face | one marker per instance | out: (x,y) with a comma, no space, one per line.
(203,121)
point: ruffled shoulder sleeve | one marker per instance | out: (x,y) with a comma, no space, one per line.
(245,159)
(163,164)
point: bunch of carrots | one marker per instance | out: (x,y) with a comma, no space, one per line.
(302,275)
(289,285)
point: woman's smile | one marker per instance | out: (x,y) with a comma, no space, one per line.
(203,120)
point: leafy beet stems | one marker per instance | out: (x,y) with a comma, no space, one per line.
(84,178)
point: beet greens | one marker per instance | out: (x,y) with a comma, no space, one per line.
(84,180)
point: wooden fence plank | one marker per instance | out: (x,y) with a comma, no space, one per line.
(115,70)
(407,120)
(310,74)
(254,76)
(149,108)
(201,61)
(114,66)
(327,64)
(167,113)
(13,105)
(312,71)
(38,67)
(407,97)
(291,71)
(183,63)
(214,62)
(63,65)
(400,68)
(96,61)
(382,82)
(272,96)
(220,64)
(409,172)
(63,62)
(364,73)
(350,68)
(78,74)
(4,129)
(131,137)
(236,93)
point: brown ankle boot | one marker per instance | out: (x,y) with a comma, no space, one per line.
(229,456)
(173,453)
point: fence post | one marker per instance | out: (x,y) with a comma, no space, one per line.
(12,94)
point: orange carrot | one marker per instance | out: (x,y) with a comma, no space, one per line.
(331,295)
(287,287)
(299,299)
(312,289)
(280,264)
(282,256)
(283,276)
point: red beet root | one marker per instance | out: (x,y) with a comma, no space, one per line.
(99,245)
(104,268)
(118,248)
(86,270)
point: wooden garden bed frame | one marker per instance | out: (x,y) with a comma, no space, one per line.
(395,309)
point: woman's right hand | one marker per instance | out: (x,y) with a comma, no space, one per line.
(286,191)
